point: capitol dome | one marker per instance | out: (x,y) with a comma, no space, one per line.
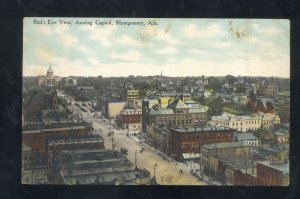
(50,72)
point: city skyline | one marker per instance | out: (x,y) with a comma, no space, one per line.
(177,47)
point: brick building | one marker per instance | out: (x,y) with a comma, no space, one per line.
(36,138)
(102,167)
(56,144)
(37,100)
(190,140)
(178,114)
(130,118)
(211,154)
(273,173)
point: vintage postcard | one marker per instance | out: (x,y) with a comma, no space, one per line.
(138,101)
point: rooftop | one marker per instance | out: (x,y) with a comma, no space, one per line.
(226,145)
(238,162)
(174,94)
(245,136)
(161,111)
(283,167)
(206,129)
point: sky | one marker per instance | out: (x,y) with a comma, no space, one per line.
(175,47)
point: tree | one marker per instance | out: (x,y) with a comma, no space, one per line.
(231,79)
(215,107)
(213,83)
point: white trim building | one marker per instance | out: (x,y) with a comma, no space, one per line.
(247,122)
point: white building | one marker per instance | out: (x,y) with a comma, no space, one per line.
(49,79)
(247,138)
(247,123)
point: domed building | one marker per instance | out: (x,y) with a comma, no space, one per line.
(49,79)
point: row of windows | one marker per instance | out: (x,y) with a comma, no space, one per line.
(179,117)
(205,136)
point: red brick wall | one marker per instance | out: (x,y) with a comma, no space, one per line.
(240,178)
(177,140)
(268,176)
(37,140)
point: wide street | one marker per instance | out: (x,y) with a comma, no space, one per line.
(166,172)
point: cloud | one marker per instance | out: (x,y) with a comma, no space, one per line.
(94,61)
(44,30)
(68,40)
(84,49)
(271,31)
(167,51)
(61,29)
(130,56)
(197,52)
(43,55)
(103,34)
(167,37)
(192,31)
(128,41)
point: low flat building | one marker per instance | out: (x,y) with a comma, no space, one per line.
(60,143)
(247,138)
(101,167)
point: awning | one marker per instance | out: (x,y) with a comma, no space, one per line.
(190,155)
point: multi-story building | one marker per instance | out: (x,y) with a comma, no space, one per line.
(132,94)
(147,105)
(178,114)
(130,118)
(211,153)
(273,173)
(190,140)
(247,123)
(49,79)
(236,171)
(35,136)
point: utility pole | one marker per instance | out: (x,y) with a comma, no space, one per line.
(154,169)
(246,162)
(135,158)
